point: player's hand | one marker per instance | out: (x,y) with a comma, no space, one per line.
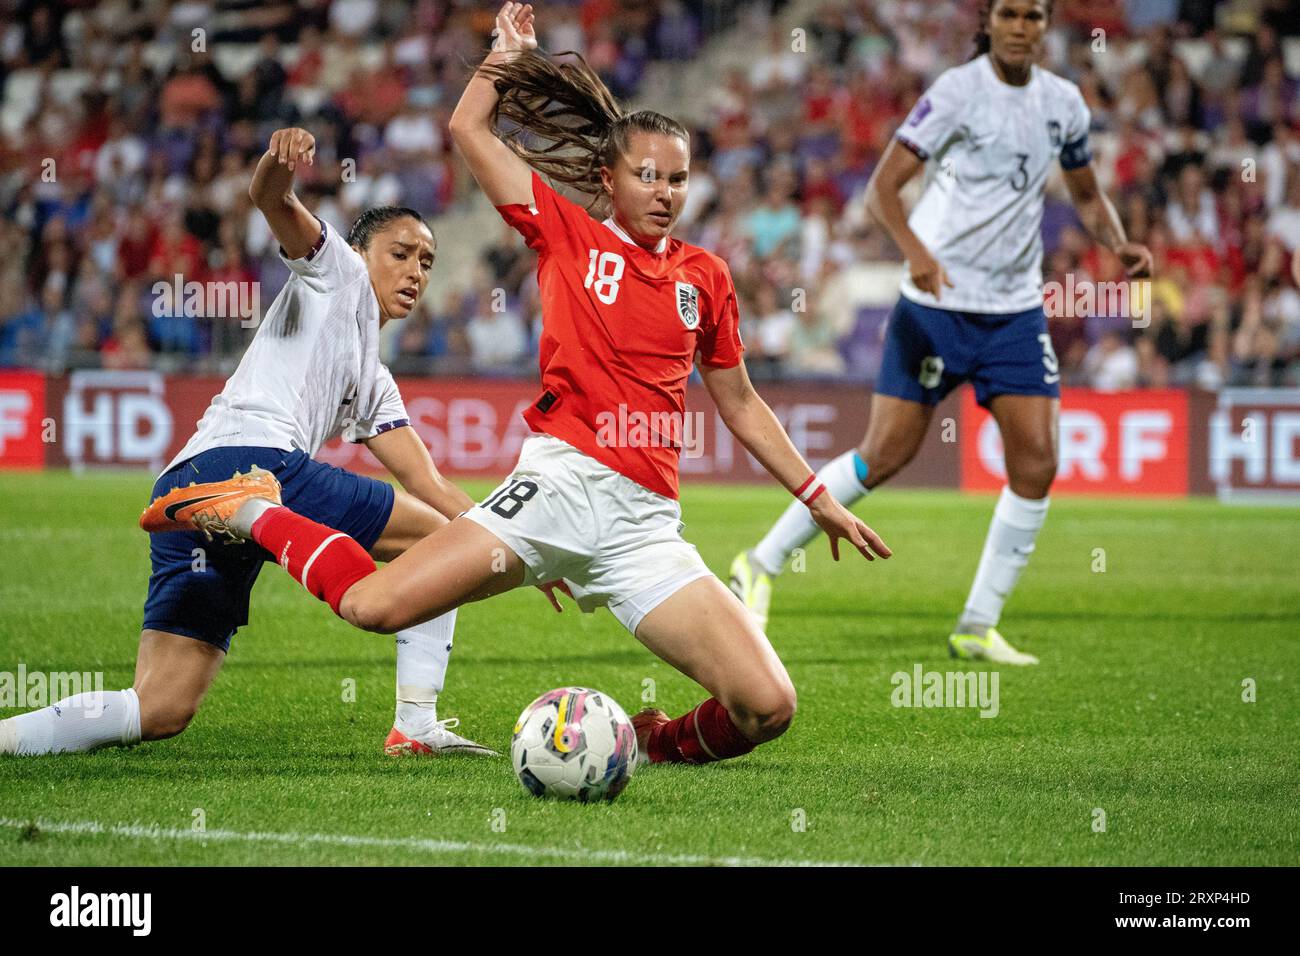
(514,32)
(838,522)
(292,146)
(549,589)
(927,274)
(1137,259)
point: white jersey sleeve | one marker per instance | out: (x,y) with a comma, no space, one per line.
(935,120)
(330,265)
(390,411)
(312,369)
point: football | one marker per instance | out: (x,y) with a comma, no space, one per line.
(574,743)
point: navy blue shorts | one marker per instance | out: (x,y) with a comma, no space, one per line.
(929,352)
(207,599)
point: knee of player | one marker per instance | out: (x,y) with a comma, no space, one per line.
(768,715)
(370,612)
(360,612)
(167,719)
(1047,473)
(778,718)
(1034,473)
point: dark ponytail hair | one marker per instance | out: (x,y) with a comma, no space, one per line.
(568,108)
(982,42)
(373,220)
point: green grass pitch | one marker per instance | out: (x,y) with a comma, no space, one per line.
(1136,712)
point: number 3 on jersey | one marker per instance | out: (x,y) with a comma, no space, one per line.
(603,272)
(1053,374)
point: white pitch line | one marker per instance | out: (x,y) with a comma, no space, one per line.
(136,831)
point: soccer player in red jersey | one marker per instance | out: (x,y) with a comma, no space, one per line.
(627,312)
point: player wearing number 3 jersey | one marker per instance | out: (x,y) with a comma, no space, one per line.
(988,133)
(628,311)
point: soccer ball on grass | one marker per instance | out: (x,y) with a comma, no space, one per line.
(574,743)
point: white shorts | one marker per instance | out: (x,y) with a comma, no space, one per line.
(615,543)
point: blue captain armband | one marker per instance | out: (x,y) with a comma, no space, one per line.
(1076,155)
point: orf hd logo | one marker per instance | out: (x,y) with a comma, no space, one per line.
(103,909)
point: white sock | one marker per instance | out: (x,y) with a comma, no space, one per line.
(844,479)
(75,724)
(1012,532)
(247,514)
(423,653)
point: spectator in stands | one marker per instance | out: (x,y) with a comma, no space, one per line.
(1201,146)
(774,225)
(1284,222)
(814,351)
(497,339)
(779,67)
(1112,364)
(771,329)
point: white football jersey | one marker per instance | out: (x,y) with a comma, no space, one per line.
(312,371)
(989,147)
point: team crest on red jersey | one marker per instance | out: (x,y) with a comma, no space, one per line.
(688,304)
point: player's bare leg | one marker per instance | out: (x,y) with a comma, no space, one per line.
(1028,424)
(459,563)
(707,634)
(423,651)
(411,521)
(894,434)
(173,674)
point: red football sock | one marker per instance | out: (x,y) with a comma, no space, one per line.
(324,561)
(703,735)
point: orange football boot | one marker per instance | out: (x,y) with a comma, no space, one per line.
(210,506)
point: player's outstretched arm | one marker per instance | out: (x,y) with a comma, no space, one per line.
(271,190)
(897,167)
(402,453)
(1099,217)
(750,419)
(503,176)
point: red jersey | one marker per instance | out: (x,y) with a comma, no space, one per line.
(621,327)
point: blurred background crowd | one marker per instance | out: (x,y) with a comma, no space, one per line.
(129,130)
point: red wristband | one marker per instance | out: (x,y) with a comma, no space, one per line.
(809,490)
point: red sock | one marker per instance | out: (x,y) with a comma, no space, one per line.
(703,735)
(324,561)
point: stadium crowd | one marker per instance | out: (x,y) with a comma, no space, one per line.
(126,153)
